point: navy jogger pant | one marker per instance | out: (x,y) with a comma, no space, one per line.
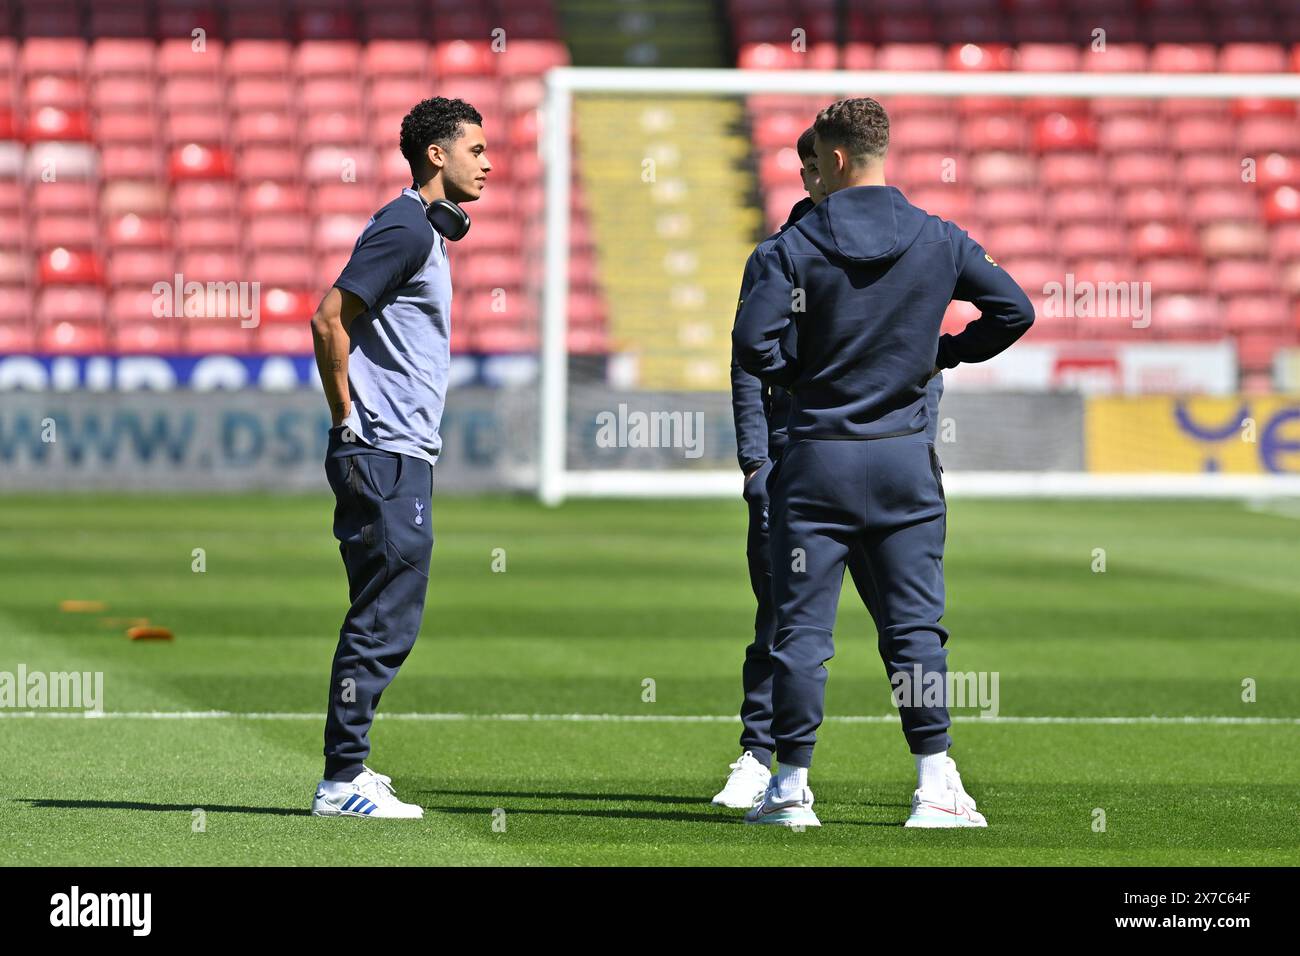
(829,499)
(756,675)
(385,534)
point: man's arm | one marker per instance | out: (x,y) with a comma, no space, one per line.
(747,397)
(388,253)
(1005,311)
(330,326)
(765,323)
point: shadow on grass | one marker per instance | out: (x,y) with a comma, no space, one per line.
(666,817)
(620,797)
(161,807)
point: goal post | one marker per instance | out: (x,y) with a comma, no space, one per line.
(557,476)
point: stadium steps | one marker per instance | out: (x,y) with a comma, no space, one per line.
(680,33)
(670,252)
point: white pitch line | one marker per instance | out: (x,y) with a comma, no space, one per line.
(633,718)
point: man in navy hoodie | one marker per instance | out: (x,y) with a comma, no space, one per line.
(760,413)
(845,314)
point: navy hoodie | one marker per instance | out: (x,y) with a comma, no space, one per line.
(759,410)
(847,307)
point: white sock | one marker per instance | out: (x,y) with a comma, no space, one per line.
(932,771)
(791,780)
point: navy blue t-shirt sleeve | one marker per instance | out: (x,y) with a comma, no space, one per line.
(761,340)
(386,256)
(1005,311)
(747,395)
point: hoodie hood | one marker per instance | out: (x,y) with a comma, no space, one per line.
(863,224)
(797,212)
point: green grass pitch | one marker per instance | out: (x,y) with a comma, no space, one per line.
(595,598)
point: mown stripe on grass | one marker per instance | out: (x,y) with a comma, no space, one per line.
(637,718)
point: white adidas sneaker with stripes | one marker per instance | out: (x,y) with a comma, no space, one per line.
(369,795)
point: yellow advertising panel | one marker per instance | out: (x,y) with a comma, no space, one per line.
(1236,435)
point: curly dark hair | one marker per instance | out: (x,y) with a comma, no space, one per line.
(435,120)
(860,125)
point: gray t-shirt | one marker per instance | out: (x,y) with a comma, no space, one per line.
(400,350)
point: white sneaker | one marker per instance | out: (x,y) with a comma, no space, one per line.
(748,781)
(369,795)
(954,782)
(794,811)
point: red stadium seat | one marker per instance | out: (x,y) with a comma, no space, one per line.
(121,56)
(994,132)
(1012,204)
(525,57)
(1282,205)
(329,94)
(64,266)
(1224,240)
(286,338)
(63,55)
(220,336)
(909,57)
(136,127)
(981,57)
(261,93)
(336,233)
(138,196)
(266,127)
(281,305)
(1278,169)
(1088,239)
(340,128)
(1183,58)
(1155,240)
(74,304)
(131,230)
(79,337)
(768,56)
(273,197)
(210,266)
(333,196)
(251,57)
(1063,132)
(75,197)
(1213,203)
(177,57)
(135,267)
(1116,57)
(1252,58)
(398,59)
(272,232)
(197,161)
(1071,169)
(63,92)
(946,201)
(183,94)
(463,58)
(1187,316)
(1236,276)
(334,164)
(288,269)
(1048,57)
(157,337)
(1175,275)
(1019,240)
(397,94)
(57,123)
(989,170)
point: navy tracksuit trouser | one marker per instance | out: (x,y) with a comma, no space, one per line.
(756,674)
(385,534)
(879,501)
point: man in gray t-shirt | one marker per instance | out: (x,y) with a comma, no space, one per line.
(382,337)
